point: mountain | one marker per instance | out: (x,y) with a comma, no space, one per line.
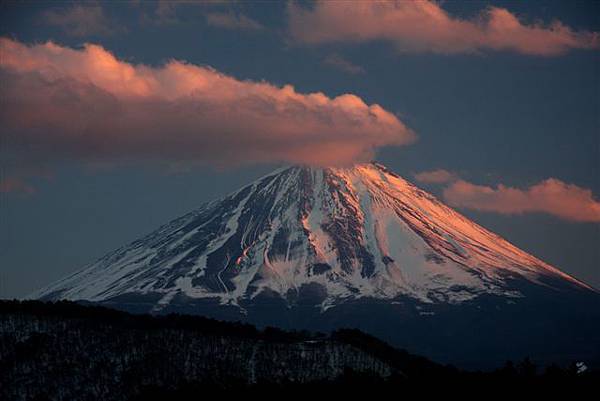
(321,248)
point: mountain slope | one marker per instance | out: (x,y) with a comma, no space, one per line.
(351,233)
(350,247)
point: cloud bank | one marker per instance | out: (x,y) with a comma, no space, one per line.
(85,104)
(551,196)
(423,26)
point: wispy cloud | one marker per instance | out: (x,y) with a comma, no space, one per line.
(424,26)
(340,63)
(85,104)
(551,196)
(166,12)
(15,185)
(229,20)
(439,176)
(82,20)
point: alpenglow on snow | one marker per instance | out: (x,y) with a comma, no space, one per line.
(346,233)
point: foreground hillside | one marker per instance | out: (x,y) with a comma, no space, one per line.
(66,351)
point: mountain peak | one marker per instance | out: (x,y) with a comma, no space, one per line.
(359,232)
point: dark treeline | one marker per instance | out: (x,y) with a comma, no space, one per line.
(98,314)
(68,351)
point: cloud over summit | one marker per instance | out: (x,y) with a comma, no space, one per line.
(85,104)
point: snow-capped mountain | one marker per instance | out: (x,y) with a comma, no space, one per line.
(356,232)
(311,247)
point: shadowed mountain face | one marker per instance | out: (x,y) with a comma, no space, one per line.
(356,247)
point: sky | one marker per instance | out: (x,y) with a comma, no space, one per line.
(119,116)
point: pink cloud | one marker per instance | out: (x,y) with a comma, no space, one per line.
(85,104)
(423,26)
(551,196)
(439,176)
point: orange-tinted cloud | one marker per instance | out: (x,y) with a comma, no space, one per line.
(551,196)
(86,104)
(423,26)
(439,176)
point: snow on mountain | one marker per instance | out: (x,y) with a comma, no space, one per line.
(349,233)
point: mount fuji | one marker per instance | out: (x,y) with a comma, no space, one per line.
(321,248)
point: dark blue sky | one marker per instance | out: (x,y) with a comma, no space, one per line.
(492,117)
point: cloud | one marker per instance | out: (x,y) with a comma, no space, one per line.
(551,196)
(423,26)
(165,12)
(337,61)
(439,176)
(63,104)
(232,21)
(177,12)
(82,20)
(15,185)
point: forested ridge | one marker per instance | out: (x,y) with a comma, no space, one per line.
(67,351)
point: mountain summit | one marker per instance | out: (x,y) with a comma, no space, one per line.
(311,247)
(348,232)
